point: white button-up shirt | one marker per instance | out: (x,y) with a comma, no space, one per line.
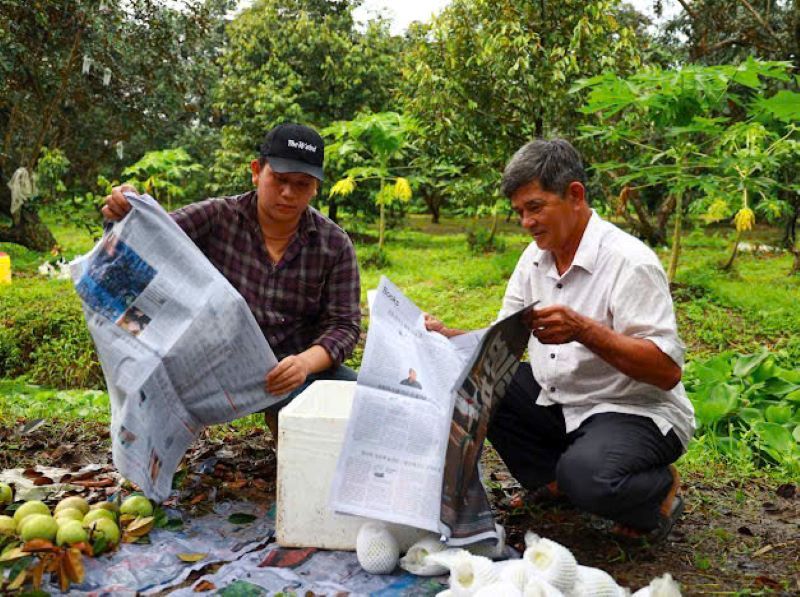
(617,280)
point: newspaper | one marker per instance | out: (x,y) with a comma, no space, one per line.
(178,346)
(420,415)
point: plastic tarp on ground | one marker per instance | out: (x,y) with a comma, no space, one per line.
(137,569)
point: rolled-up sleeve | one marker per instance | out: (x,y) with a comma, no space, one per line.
(340,317)
(643,309)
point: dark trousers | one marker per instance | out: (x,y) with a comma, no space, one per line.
(613,465)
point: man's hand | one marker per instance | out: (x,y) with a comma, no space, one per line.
(434,325)
(557,324)
(289,374)
(117,206)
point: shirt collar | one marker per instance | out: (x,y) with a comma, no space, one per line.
(586,255)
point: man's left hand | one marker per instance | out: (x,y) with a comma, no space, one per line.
(289,374)
(557,324)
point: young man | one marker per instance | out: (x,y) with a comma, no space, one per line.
(599,415)
(296,269)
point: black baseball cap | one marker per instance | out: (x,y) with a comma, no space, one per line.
(291,147)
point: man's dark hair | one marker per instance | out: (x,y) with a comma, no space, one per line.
(554,164)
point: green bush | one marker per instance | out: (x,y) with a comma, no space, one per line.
(44,336)
(482,240)
(748,405)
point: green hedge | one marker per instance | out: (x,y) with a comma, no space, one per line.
(44,336)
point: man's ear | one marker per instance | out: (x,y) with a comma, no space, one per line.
(576,191)
(255,171)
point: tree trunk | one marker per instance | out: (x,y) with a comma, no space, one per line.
(333,209)
(381,223)
(734,252)
(676,237)
(434,203)
(29,231)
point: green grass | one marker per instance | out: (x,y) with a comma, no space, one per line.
(752,306)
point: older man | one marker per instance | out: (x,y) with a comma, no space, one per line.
(599,415)
(296,269)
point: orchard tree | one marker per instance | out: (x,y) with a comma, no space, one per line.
(95,79)
(298,60)
(487,76)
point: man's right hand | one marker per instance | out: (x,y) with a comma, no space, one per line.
(117,206)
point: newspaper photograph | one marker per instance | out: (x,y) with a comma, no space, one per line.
(178,345)
(408,457)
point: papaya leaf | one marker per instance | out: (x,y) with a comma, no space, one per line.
(745,365)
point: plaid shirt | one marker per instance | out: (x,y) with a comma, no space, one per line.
(310,297)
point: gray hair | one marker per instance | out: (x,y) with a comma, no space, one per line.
(554,164)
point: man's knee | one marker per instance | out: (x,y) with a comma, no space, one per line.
(586,480)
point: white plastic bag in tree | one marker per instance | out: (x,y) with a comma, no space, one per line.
(23,187)
(106,77)
(87,64)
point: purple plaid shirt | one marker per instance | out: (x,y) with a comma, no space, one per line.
(310,297)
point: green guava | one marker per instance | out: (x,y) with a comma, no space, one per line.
(93,515)
(105,505)
(28,508)
(109,529)
(7,525)
(39,526)
(6,495)
(137,505)
(71,532)
(68,514)
(75,501)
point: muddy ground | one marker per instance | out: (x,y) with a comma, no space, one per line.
(737,536)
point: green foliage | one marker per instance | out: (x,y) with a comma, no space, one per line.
(487,76)
(163,174)
(693,131)
(50,170)
(748,403)
(370,145)
(21,399)
(484,240)
(298,60)
(43,335)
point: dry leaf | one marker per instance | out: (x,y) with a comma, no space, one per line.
(238,484)
(191,557)
(37,572)
(126,519)
(38,481)
(197,499)
(204,585)
(74,565)
(13,554)
(37,545)
(140,527)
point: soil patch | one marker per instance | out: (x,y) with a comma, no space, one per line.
(736,536)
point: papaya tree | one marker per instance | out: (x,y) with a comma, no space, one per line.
(373,145)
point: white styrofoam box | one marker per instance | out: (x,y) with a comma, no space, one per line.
(311,431)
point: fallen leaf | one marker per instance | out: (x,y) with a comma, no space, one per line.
(140,527)
(126,519)
(766,581)
(74,565)
(191,557)
(38,545)
(762,551)
(236,484)
(197,499)
(31,473)
(18,581)
(99,483)
(39,481)
(745,531)
(203,586)
(241,518)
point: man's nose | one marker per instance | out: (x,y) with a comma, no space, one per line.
(528,220)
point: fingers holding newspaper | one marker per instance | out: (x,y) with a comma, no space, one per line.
(289,374)
(432,324)
(116,206)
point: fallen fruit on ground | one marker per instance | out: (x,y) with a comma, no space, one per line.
(6,495)
(71,532)
(106,505)
(39,526)
(93,515)
(138,505)
(28,508)
(72,502)
(7,525)
(108,528)
(68,514)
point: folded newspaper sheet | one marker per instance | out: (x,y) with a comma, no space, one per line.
(419,419)
(178,345)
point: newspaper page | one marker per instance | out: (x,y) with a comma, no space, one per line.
(396,454)
(178,346)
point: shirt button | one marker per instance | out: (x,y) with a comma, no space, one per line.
(552,355)
(559,285)
(552,388)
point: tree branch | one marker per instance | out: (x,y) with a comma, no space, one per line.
(759,18)
(688,9)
